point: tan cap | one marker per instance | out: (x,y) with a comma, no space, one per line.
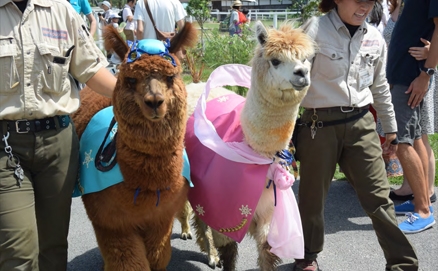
(236,3)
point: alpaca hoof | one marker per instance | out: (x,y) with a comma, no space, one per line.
(213,262)
(186,235)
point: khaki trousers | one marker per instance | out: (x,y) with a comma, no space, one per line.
(356,147)
(34,218)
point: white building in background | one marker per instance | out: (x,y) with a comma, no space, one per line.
(224,5)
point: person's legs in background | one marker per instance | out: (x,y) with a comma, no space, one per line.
(414,163)
(431,171)
(428,127)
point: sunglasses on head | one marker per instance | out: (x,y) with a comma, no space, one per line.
(149,47)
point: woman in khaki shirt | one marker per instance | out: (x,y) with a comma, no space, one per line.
(347,75)
(44,44)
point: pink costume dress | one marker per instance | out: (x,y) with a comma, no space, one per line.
(229,177)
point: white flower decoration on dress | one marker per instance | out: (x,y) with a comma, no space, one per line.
(200,210)
(244,210)
(223,99)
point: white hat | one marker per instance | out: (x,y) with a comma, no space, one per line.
(113,15)
(106,3)
(236,3)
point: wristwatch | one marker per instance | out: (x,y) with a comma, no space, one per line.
(428,71)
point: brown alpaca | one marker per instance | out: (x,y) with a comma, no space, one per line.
(133,219)
(279,81)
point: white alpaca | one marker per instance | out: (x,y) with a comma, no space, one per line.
(279,81)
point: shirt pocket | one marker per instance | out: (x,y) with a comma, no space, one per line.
(367,64)
(55,69)
(368,58)
(9,77)
(329,63)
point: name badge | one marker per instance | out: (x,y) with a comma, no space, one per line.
(366,77)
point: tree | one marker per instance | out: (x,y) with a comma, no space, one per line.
(306,9)
(200,10)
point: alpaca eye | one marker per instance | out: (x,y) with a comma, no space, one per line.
(170,79)
(131,80)
(275,62)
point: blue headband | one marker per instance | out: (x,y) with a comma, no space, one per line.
(150,47)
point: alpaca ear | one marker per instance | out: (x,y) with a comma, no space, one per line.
(261,33)
(186,37)
(113,41)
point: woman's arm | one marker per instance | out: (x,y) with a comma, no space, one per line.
(103,82)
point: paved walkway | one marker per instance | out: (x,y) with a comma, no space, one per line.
(350,245)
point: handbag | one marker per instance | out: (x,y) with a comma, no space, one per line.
(161,35)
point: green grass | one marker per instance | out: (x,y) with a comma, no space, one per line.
(209,26)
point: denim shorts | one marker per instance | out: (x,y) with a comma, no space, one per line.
(408,119)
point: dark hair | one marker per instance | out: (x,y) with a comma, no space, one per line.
(375,16)
(245,11)
(129,1)
(326,5)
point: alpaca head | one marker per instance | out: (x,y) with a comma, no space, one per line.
(281,64)
(149,87)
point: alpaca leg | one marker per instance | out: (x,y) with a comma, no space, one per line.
(184,217)
(267,261)
(204,239)
(121,251)
(156,239)
(228,254)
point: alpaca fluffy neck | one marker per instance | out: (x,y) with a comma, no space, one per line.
(267,122)
(151,152)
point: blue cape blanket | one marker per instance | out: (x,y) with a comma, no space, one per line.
(90,178)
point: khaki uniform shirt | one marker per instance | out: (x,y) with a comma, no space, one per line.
(35,70)
(349,71)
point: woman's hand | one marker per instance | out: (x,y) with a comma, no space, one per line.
(389,147)
(420,53)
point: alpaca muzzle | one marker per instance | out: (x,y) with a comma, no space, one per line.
(301,78)
(154,101)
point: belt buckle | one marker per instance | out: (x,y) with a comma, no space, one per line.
(17,128)
(350,109)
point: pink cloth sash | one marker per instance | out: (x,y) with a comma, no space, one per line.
(229,177)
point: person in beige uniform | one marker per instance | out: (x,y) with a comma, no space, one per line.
(43,45)
(347,75)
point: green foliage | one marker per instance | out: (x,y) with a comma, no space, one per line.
(306,9)
(223,49)
(219,49)
(200,10)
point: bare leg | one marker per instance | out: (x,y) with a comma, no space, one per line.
(431,162)
(405,188)
(416,172)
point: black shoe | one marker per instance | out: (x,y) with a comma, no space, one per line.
(433,198)
(394,196)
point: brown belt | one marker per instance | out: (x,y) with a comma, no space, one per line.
(25,126)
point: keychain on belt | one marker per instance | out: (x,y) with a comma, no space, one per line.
(13,161)
(313,127)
